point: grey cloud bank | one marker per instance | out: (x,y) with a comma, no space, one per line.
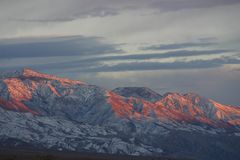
(177,65)
(55,46)
(85,46)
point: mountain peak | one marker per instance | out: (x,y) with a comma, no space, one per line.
(138,92)
(30,73)
(22,84)
(11,73)
(18,73)
(191,96)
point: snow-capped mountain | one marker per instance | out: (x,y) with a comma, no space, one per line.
(47,112)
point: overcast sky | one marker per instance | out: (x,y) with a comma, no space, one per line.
(166,45)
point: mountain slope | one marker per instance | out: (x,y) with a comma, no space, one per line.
(138,92)
(63,114)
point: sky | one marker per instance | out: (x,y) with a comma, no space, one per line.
(166,45)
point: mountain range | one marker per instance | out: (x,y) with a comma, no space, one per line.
(41,111)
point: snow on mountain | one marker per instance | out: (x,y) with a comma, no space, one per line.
(45,111)
(138,92)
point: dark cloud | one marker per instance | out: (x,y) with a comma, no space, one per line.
(94,64)
(172,54)
(55,46)
(97,66)
(177,46)
(82,46)
(177,65)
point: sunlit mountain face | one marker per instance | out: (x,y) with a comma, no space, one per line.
(47,112)
(130,102)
